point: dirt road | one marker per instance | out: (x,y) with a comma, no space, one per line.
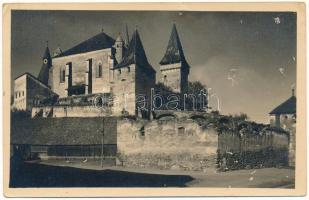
(87,174)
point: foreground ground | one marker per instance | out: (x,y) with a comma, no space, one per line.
(88,174)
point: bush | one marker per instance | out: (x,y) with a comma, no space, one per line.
(20,114)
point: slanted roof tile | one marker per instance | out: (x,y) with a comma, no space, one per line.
(174,52)
(287,107)
(97,42)
(135,54)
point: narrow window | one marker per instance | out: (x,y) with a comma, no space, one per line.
(62,75)
(23,93)
(119,74)
(165,78)
(128,69)
(142,131)
(99,71)
(181,131)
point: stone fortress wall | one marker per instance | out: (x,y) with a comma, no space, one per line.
(175,142)
(166,145)
(186,141)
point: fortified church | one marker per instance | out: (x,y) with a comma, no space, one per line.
(69,82)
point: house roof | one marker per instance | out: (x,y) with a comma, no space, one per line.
(36,80)
(31,76)
(63,131)
(135,54)
(287,107)
(174,52)
(97,42)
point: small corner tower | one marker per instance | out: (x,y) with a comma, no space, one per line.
(47,63)
(173,66)
(133,76)
(119,46)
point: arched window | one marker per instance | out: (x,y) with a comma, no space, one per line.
(99,71)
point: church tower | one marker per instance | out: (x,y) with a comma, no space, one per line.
(47,63)
(173,66)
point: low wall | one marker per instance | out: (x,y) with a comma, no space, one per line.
(68,111)
(64,137)
(168,144)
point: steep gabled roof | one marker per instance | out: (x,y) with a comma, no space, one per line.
(287,107)
(44,74)
(46,54)
(174,52)
(97,42)
(135,54)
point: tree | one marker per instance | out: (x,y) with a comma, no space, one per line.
(196,87)
(199,91)
(162,89)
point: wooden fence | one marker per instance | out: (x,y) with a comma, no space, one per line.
(265,149)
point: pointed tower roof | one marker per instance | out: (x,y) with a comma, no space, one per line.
(127,36)
(97,42)
(44,72)
(46,54)
(135,54)
(287,107)
(174,52)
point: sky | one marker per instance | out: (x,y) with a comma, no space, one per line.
(248,59)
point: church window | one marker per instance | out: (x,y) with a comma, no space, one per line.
(62,76)
(99,71)
(128,69)
(23,93)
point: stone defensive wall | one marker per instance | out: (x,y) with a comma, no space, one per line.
(166,144)
(199,141)
(180,141)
